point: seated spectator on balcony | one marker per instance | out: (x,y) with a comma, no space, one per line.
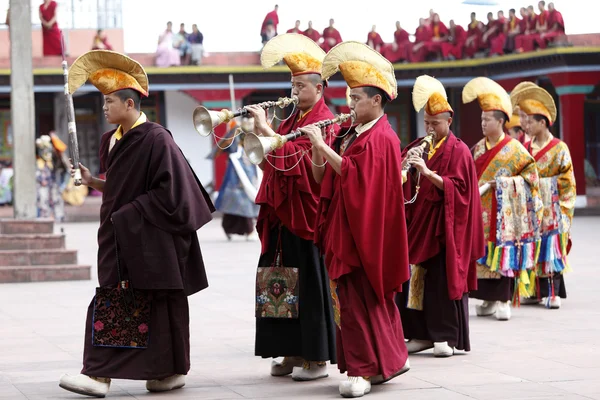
(101,41)
(512,29)
(311,33)
(401,48)
(555,25)
(296,28)
(439,35)
(166,54)
(422,37)
(180,42)
(497,36)
(488,32)
(50,31)
(452,49)
(196,40)
(331,37)
(374,39)
(273,18)
(526,40)
(474,34)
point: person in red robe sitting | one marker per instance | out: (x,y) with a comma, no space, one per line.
(497,39)
(474,33)
(452,49)
(311,33)
(489,32)
(273,18)
(400,49)
(525,42)
(331,37)
(296,28)
(361,227)
(512,29)
(556,28)
(422,37)
(101,41)
(439,35)
(374,39)
(51,35)
(301,328)
(445,230)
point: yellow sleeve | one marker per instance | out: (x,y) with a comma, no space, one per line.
(566,184)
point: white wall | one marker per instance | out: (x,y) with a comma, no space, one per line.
(179,109)
(420,124)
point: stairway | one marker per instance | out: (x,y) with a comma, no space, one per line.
(30,251)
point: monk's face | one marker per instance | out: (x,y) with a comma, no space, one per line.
(115,109)
(514,132)
(308,91)
(365,108)
(524,121)
(489,124)
(438,124)
(536,127)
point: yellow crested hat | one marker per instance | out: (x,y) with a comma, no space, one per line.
(109,71)
(428,92)
(361,66)
(300,53)
(536,100)
(513,122)
(490,95)
(516,90)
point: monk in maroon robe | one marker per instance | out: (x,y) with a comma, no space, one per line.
(311,33)
(439,35)
(288,199)
(453,48)
(498,37)
(361,227)
(512,29)
(374,39)
(271,17)
(474,33)
(400,49)
(525,42)
(331,37)
(422,38)
(542,25)
(296,28)
(50,31)
(556,28)
(152,206)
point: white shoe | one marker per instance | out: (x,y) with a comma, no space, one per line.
(441,349)
(286,366)
(503,311)
(552,303)
(309,371)
(416,345)
(85,385)
(164,385)
(486,308)
(378,379)
(529,300)
(355,386)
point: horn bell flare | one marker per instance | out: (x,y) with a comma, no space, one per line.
(206,120)
(257,147)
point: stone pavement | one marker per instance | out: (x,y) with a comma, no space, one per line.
(538,354)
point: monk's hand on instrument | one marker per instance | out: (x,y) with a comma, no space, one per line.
(419,164)
(260,117)
(415,152)
(492,184)
(314,134)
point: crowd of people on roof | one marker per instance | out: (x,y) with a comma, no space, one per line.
(433,40)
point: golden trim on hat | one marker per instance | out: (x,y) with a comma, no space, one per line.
(515,92)
(490,95)
(536,100)
(361,66)
(428,92)
(513,122)
(300,53)
(108,71)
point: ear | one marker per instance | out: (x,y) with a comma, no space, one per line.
(376,100)
(449,121)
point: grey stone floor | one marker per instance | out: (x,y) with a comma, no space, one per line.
(538,354)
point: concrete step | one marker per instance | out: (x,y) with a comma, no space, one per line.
(32,241)
(37,257)
(17,226)
(44,273)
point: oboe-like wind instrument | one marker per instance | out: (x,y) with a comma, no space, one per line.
(73,144)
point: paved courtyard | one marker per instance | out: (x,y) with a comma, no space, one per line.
(538,354)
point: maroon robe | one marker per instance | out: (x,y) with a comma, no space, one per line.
(439,31)
(51,36)
(375,41)
(556,28)
(271,16)
(422,35)
(475,31)
(454,47)
(312,34)
(498,39)
(290,197)
(526,40)
(402,50)
(294,30)
(361,230)
(509,44)
(334,35)
(154,210)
